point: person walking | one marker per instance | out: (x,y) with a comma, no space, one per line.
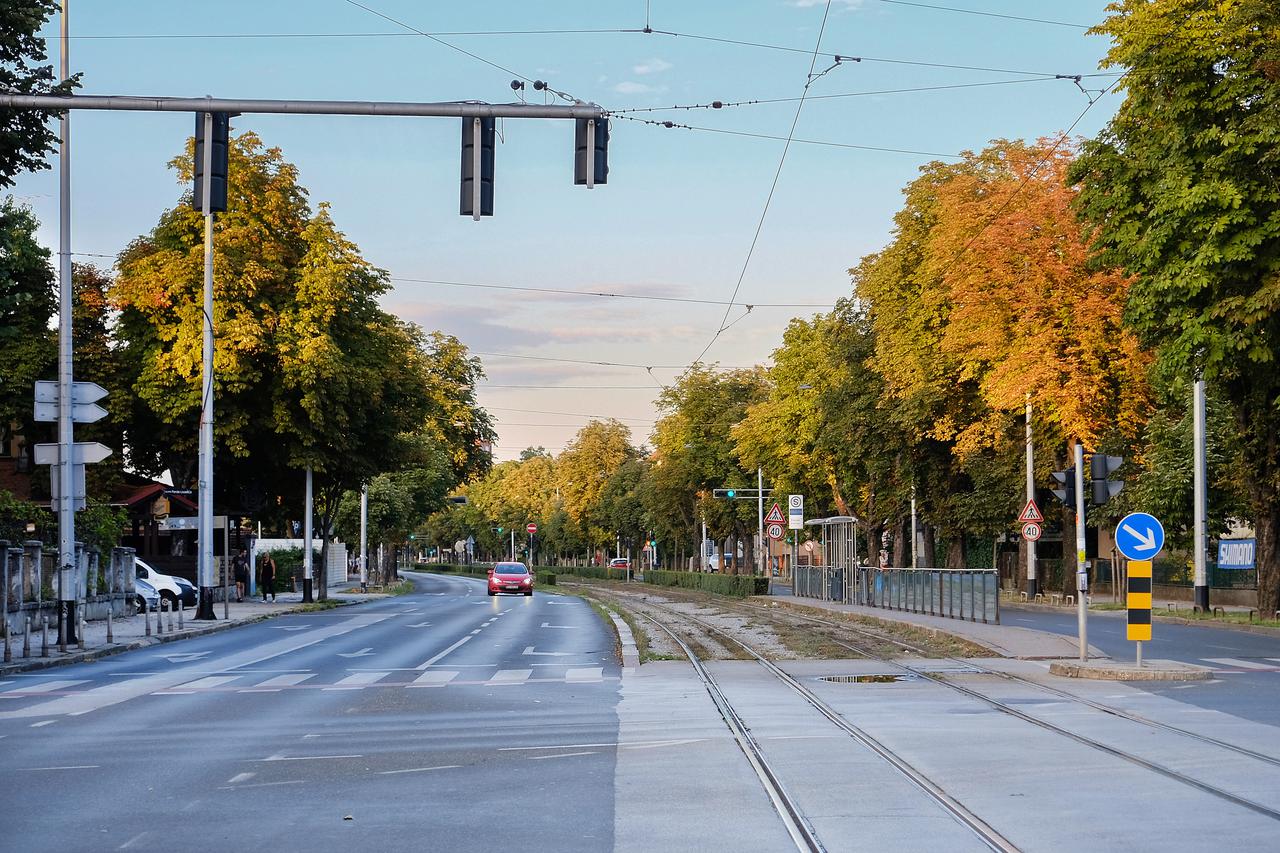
(268,576)
(240,566)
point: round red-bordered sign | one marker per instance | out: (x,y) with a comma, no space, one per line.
(1031,531)
(531,527)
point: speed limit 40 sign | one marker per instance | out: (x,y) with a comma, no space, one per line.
(1031,531)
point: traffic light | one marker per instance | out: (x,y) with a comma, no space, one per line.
(591,135)
(478,135)
(1067,481)
(499,529)
(218,168)
(731,493)
(1100,468)
(653,543)
(412,536)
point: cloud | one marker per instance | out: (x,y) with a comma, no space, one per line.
(651,66)
(631,87)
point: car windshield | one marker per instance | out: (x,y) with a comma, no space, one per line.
(511,569)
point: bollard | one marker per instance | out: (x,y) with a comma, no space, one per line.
(160,618)
(180,609)
(26,638)
(146,617)
(80,630)
(8,652)
(62,628)
(44,636)
(110,638)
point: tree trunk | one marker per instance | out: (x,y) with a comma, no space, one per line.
(957,552)
(1267,528)
(901,553)
(928,547)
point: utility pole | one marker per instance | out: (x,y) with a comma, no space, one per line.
(1200,484)
(702,547)
(306,545)
(760,520)
(1032,584)
(915,539)
(67,582)
(1082,576)
(364,538)
(205,507)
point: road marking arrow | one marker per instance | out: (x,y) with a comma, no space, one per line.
(293,627)
(1146,542)
(363,653)
(184,657)
(420,625)
(549,625)
(529,651)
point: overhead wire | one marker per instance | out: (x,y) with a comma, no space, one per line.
(985,14)
(609,294)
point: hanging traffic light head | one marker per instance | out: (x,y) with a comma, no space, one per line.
(591,151)
(1101,467)
(478,135)
(217,159)
(1066,491)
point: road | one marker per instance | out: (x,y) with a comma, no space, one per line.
(423,718)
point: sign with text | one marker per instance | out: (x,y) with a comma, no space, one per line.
(1237,553)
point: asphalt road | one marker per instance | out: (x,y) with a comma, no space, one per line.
(1246,666)
(425,719)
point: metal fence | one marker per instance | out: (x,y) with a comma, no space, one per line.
(972,594)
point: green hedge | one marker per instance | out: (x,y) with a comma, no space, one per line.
(475,570)
(546,578)
(599,572)
(740,586)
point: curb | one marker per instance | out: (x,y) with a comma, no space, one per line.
(1156,670)
(89,655)
(630,653)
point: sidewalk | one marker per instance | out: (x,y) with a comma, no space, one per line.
(1003,640)
(130,633)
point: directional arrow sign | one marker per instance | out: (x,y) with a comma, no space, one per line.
(86,453)
(81,413)
(1139,536)
(82,393)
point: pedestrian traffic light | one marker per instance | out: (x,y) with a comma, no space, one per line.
(218,163)
(478,135)
(1100,468)
(1067,481)
(591,136)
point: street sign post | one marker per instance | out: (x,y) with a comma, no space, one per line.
(1031,531)
(1138,604)
(1139,536)
(795,512)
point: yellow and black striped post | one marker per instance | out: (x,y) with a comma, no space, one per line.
(1138,602)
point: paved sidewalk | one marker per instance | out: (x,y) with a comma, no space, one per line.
(131,633)
(1003,640)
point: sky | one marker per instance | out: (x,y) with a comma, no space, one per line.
(683,214)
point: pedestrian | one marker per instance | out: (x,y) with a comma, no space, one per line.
(268,576)
(240,565)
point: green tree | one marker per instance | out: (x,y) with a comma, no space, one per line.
(28,304)
(26,136)
(593,456)
(1181,189)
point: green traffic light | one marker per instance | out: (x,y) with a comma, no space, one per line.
(731,493)
(499,529)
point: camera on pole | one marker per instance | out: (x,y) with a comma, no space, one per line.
(590,151)
(1101,467)
(1066,492)
(478,137)
(218,169)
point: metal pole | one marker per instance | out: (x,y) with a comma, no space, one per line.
(513,544)
(364,538)
(760,519)
(1139,654)
(1082,578)
(1201,498)
(66,429)
(306,544)
(702,547)
(915,539)
(477,184)
(591,154)
(1032,582)
(205,520)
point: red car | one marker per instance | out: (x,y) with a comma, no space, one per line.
(510,577)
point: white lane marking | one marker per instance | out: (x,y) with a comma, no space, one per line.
(421,625)
(434,678)
(510,676)
(549,625)
(287,680)
(206,682)
(302,757)
(437,657)
(419,769)
(586,673)
(45,687)
(240,777)
(1236,663)
(184,657)
(43,723)
(659,743)
(357,680)
(133,840)
(561,755)
(363,653)
(66,767)
(528,650)
(260,785)
(473,633)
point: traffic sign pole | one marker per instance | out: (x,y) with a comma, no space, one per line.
(1082,576)
(1200,503)
(1032,583)
(67,584)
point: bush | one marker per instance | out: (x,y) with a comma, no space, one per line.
(546,578)
(600,572)
(739,586)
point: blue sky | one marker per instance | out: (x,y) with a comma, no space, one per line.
(680,209)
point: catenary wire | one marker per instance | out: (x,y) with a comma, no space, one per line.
(985,14)
(603,363)
(612,295)
(565,414)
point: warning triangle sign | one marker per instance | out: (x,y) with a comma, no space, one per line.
(1030,512)
(775,516)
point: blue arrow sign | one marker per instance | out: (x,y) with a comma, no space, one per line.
(1139,536)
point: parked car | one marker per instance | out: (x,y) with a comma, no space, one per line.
(620,563)
(145,596)
(510,577)
(171,588)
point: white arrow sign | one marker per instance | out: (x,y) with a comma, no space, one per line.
(421,625)
(1146,541)
(365,652)
(81,413)
(86,453)
(82,393)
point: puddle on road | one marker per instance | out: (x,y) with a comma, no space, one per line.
(869,679)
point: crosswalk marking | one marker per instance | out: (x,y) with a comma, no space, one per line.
(43,687)
(204,683)
(1236,663)
(434,678)
(358,680)
(510,676)
(586,673)
(274,684)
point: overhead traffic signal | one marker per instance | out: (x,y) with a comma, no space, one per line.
(591,151)
(1100,468)
(478,136)
(218,162)
(1066,481)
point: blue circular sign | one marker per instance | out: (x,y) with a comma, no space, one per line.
(1139,536)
